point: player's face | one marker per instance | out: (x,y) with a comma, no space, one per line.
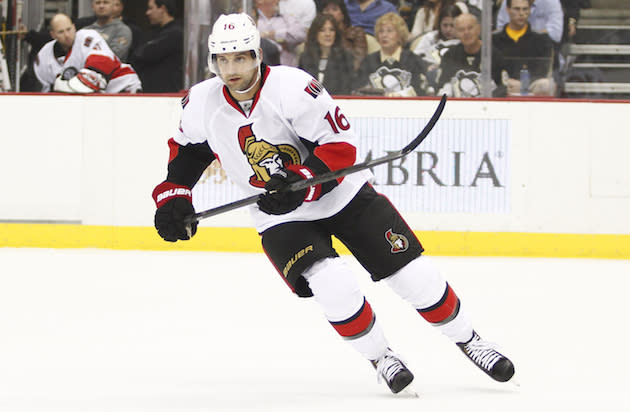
(335,11)
(447,28)
(519,13)
(326,35)
(64,32)
(388,37)
(238,70)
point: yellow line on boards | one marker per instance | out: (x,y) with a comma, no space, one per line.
(238,239)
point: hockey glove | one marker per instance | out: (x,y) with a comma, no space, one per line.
(174,203)
(84,82)
(283,201)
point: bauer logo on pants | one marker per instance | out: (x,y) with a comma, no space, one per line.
(398,242)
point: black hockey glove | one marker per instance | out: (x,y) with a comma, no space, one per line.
(282,201)
(174,203)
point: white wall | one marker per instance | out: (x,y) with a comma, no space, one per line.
(96,159)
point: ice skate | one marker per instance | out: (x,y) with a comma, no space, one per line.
(391,369)
(485,356)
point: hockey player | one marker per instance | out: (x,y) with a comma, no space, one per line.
(81,62)
(271,126)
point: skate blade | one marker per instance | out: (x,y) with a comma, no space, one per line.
(408,392)
(515,382)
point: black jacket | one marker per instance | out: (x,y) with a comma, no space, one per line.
(534,50)
(463,69)
(160,61)
(339,72)
(410,68)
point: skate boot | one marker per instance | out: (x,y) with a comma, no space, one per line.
(483,354)
(390,368)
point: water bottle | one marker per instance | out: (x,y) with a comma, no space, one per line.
(524,81)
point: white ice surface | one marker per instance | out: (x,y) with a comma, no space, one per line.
(100,330)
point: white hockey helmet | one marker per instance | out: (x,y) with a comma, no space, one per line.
(233,33)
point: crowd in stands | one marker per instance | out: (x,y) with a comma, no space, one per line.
(364,47)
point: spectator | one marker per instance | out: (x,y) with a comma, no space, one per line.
(364,13)
(460,69)
(523,48)
(434,44)
(81,62)
(286,32)
(392,71)
(136,32)
(425,19)
(546,16)
(116,33)
(160,60)
(325,58)
(353,37)
(303,11)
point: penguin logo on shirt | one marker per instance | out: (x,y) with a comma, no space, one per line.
(467,84)
(390,79)
(398,242)
(264,158)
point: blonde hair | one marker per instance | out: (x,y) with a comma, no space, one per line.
(396,21)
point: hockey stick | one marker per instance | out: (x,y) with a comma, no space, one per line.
(326,177)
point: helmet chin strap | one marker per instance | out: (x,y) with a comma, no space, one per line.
(253,83)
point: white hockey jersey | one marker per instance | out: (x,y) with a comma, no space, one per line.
(88,47)
(290,113)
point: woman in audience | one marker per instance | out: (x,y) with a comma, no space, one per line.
(325,58)
(394,70)
(426,16)
(432,45)
(352,37)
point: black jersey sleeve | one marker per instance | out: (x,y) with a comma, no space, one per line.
(187,163)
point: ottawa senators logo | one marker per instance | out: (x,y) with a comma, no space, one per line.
(265,158)
(398,242)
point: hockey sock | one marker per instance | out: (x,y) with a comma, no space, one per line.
(337,292)
(421,284)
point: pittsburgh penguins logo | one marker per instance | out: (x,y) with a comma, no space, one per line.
(390,79)
(264,158)
(398,242)
(468,84)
